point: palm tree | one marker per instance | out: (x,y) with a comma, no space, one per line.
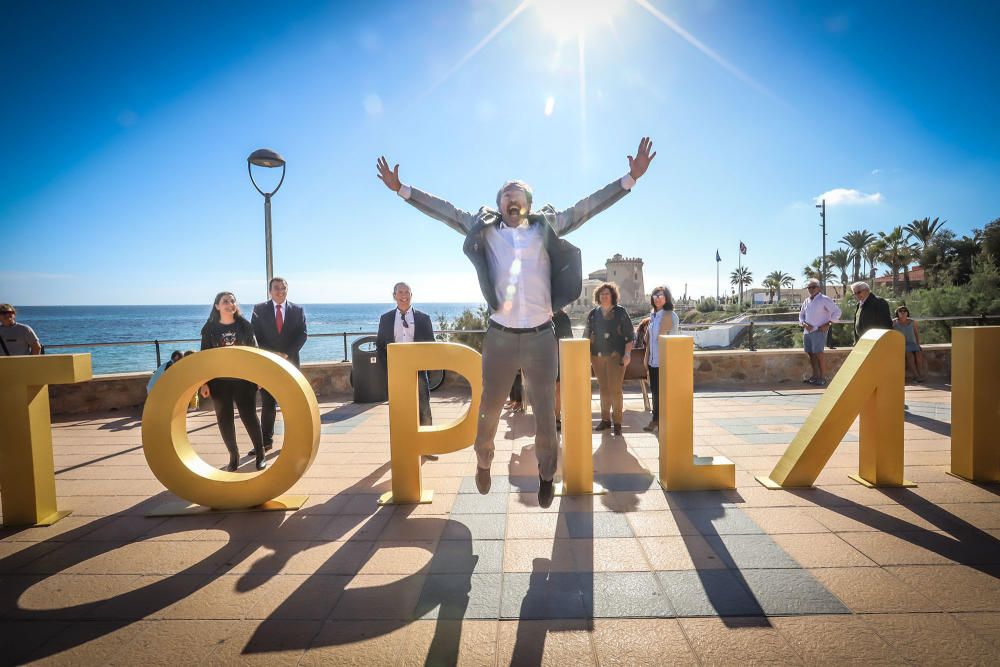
(873,255)
(778,279)
(741,277)
(924,231)
(815,270)
(857,240)
(840,259)
(769,285)
(898,254)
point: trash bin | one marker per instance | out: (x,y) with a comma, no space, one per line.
(368,373)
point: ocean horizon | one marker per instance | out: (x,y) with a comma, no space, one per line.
(178,327)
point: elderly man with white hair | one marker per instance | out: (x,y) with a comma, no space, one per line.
(817,314)
(526,271)
(872,312)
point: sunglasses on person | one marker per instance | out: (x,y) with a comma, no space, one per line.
(8,312)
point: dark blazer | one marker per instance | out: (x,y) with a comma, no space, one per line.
(423,331)
(293,332)
(872,314)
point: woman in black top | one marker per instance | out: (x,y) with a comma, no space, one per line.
(226,327)
(611,335)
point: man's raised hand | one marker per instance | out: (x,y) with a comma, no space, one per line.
(638,165)
(391,176)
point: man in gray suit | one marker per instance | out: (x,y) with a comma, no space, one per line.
(525,272)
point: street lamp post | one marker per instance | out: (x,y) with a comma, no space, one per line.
(822,261)
(265,157)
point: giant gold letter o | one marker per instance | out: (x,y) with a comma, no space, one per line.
(179,468)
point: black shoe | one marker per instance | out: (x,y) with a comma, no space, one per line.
(809,381)
(234,461)
(253,452)
(260,463)
(616,429)
(546,492)
(603,425)
(483,480)
(652,426)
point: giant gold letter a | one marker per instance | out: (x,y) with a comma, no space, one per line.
(870,383)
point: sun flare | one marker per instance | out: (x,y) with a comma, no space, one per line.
(569,18)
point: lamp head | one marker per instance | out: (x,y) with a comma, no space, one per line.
(265,157)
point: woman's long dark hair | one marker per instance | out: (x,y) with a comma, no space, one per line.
(668,304)
(214,317)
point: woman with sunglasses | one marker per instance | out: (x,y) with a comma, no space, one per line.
(227,327)
(914,354)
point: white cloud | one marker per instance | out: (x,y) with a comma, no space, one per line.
(848,196)
(876,172)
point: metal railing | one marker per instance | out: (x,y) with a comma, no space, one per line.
(157,343)
(751,326)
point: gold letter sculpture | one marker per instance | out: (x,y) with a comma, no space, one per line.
(975,403)
(27,471)
(179,468)
(870,383)
(578,447)
(680,469)
(407,439)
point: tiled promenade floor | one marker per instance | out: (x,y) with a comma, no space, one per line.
(836,574)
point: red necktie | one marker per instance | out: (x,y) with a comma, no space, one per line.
(278,319)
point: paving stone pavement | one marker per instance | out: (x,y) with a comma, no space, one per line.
(836,573)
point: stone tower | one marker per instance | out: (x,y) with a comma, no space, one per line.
(626,272)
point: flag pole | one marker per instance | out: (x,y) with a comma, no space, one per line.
(739,271)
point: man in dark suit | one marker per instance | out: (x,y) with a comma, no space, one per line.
(280,327)
(872,312)
(404,324)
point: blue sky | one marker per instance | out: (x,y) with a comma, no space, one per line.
(128,126)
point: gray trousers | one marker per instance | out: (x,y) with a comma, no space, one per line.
(537,356)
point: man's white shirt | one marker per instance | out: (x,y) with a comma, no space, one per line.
(400,333)
(818,310)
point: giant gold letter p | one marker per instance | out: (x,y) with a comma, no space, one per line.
(407,439)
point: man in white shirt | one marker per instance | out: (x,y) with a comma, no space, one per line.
(818,312)
(404,324)
(525,272)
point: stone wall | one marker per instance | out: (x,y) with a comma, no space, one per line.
(724,368)
(728,368)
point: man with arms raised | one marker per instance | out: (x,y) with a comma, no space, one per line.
(525,272)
